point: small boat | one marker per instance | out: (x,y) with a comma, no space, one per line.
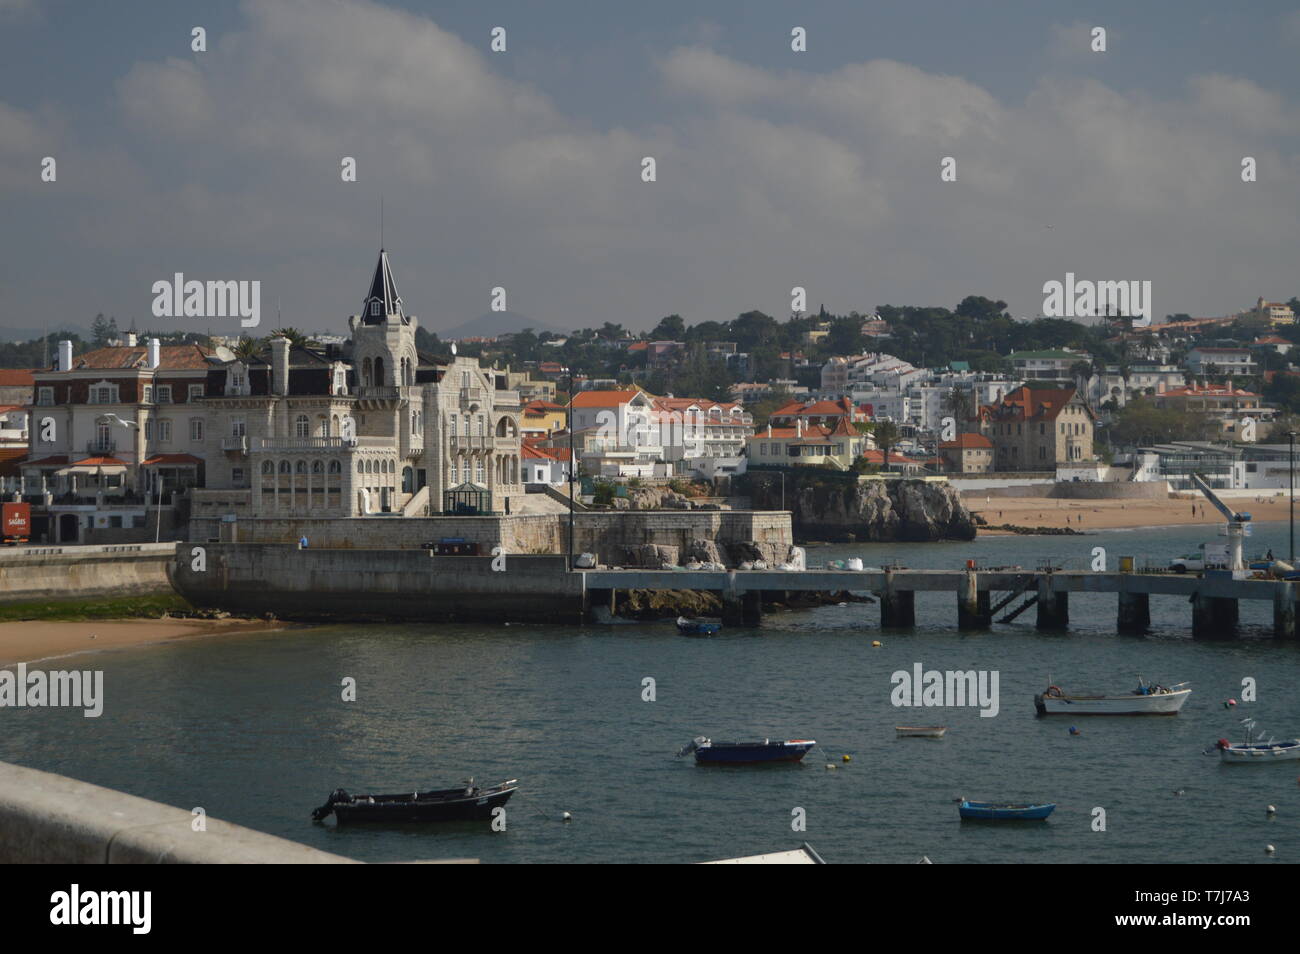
(1254,750)
(1146,699)
(708,752)
(468,803)
(920,731)
(1000,811)
(696,627)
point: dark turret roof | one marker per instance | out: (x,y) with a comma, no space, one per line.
(383,290)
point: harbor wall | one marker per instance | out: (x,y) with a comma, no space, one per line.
(294,583)
(52,819)
(1074,490)
(75,572)
(606,534)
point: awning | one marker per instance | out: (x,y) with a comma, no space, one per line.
(94,465)
(172,460)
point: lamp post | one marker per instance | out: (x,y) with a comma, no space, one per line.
(1290,436)
(569,425)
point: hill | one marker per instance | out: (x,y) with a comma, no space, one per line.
(495,323)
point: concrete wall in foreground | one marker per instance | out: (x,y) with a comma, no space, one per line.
(52,819)
(75,572)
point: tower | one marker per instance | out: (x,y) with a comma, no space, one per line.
(383,335)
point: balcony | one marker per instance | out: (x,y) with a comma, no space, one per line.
(101,446)
(238,445)
(470,396)
(302,443)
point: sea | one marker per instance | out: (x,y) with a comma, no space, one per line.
(255,729)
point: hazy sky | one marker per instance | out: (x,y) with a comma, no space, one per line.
(523,169)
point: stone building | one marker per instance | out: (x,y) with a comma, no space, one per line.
(1037,429)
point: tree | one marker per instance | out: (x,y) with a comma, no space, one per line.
(671,328)
(886,434)
(247,348)
(296,338)
(960,403)
(103,330)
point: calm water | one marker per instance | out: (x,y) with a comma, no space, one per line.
(253,729)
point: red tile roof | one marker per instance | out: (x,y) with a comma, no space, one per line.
(171,459)
(16,378)
(968,442)
(188,357)
(603,398)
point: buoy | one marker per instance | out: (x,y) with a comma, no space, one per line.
(829,766)
(875,644)
(567,817)
(1074,730)
(1269,849)
(1230,703)
(1271,810)
(848,758)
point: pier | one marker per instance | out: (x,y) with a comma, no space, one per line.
(1213,600)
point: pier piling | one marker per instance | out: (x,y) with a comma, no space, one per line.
(1053,605)
(897,607)
(974,607)
(1213,617)
(1284,611)
(1134,613)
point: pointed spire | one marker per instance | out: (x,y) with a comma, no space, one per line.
(383,291)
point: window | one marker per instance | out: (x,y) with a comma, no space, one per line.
(164,394)
(318,467)
(237,427)
(301,467)
(148,394)
(374,308)
(335,467)
(196,392)
(196,430)
(478,471)
(165,431)
(45,396)
(268,467)
(105,394)
(148,430)
(237,476)
(301,426)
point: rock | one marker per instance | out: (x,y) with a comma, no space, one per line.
(703,551)
(650,555)
(834,507)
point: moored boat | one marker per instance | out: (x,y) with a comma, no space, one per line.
(1002,811)
(920,731)
(708,752)
(468,803)
(695,627)
(1146,699)
(1255,750)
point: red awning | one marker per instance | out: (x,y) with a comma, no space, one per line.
(172,460)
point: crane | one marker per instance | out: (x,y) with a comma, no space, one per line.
(1238,522)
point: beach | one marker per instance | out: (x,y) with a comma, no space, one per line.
(29,641)
(1086,515)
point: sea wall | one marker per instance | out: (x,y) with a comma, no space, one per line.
(317,583)
(606,534)
(52,819)
(76,572)
(1076,490)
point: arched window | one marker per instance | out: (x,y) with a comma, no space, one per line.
(301,426)
(322,426)
(335,467)
(284,467)
(334,429)
(268,467)
(379,373)
(361,466)
(318,467)
(302,467)
(365,371)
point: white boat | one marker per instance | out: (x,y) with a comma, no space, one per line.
(1255,751)
(920,731)
(1146,699)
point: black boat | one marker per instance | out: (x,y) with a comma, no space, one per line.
(468,803)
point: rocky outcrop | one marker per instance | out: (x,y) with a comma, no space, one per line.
(835,508)
(650,556)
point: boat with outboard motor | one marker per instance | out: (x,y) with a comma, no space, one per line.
(468,803)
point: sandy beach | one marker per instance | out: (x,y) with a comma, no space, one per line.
(28,641)
(1088,515)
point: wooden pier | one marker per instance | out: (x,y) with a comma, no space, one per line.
(1213,600)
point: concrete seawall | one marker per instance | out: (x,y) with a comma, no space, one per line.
(75,572)
(359,584)
(52,819)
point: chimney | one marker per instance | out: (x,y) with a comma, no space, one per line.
(279,365)
(155,353)
(65,355)
(769,428)
(131,339)
(798,427)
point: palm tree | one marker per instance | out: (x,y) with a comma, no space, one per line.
(961,404)
(886,435)
(296,337)
(247,348)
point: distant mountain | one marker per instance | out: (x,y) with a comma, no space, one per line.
(495,323)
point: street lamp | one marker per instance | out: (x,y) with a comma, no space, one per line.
(1290,436)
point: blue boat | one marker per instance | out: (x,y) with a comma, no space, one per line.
(695,627)
(1001,811)
(708,752)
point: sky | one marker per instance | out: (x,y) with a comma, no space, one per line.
(523,169)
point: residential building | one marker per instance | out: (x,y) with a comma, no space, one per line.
(836,446)
(968,454)
(1035,428)
(1051,365)
(1274,312)
(1235,362)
